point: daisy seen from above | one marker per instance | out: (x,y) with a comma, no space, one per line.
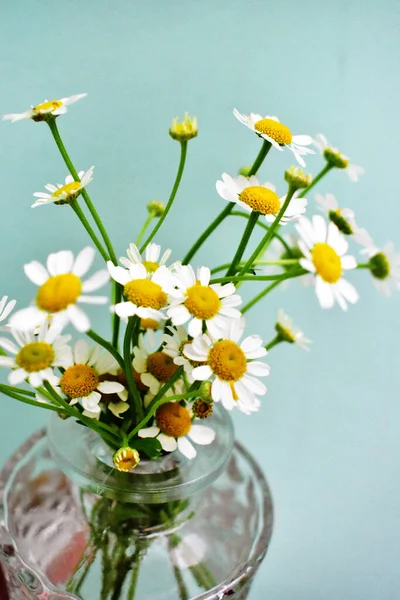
(151,261)
(61,289)
(231,367)
(175,430)
(251,195)
(287,332)
(324,249)
(336,159)
(64,193)
(146,298)
(384,265)
(199,302)
(344,218)
(277,134)
(89,375)
(41,111)
(35,355)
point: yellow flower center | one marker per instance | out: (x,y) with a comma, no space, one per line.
(326,262)
(35,356)
(79,381)
(126,459)
(202,301)
(161,366)
(58,292)
(173,419)
(261,199)
(145,293)
(150,266)
(227,360)
(275,130)
(68,189)
(149,324)
(47,106)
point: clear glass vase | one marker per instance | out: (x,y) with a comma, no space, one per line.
(72,526)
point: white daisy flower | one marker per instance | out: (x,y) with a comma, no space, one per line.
(336,158)
(175,430)
(251,195)
(231,367)
(60,290)
(144,297)
(324,251)
(154,367)
(289,333)
(174,342)
(277,134)
(6,308)
(85,377)
(48,107)
(151,261)
(344,218)
(35,355)
(199,302)
(63,194)
(385,267)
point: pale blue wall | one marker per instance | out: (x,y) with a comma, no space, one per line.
(328,434)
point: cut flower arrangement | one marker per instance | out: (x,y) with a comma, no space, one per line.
(178,352)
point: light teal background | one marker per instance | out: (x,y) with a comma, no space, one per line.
(327,436)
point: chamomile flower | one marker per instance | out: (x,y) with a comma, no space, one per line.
(199,302)
(144,297)
(344,218)
(251,195)
(61,288)
(6,308)
(336,159)
(151,261)
(85,377)
(42,111)
(277,134)
(384,266)
(231,367)
(64,193)
(324,249)
(175,430)
(155,367)
(287,332)
(174,342)
(35,355)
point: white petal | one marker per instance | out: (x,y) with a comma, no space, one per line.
(110,387)
(78,318)
(258,368)
(81,352)
(324,293)
(96,281)
(8,346)
(201,435)
(252,342)
(348,262)
(7,361)
(27,318)
(169,444)
(17,376)
(118,273)
(201,373)
(83,261)
(186,448)
(91,402)
(63,262)
(36,272)
(125,309)
(348,291)
(195,327)
(149,432)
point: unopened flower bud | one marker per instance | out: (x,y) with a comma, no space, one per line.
(245,170)
(182,132)
(202,409)
(126,459)
(341,223)
(204,391)
(284,334)
(156,208)
(334,158)
(379,266)
(297,179)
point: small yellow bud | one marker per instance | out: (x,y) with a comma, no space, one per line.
(126,459)
(156,208)
(182,132)
(335,158)
(284,334)
(296,178)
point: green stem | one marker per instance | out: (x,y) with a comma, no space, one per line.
(265,148)
(137,401)
(316,179)
(172,196)
(25,400)
(263,245)
(109,347)
(81,216)
(268,289)
(18,390)
(274,342)
(259,224)
(285,261)
(117,294)
(287,275)
(251,223)
(143,230)
(363,266)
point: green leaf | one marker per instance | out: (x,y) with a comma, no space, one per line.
(149,446)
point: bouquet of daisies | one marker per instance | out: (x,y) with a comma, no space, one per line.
(184,346)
